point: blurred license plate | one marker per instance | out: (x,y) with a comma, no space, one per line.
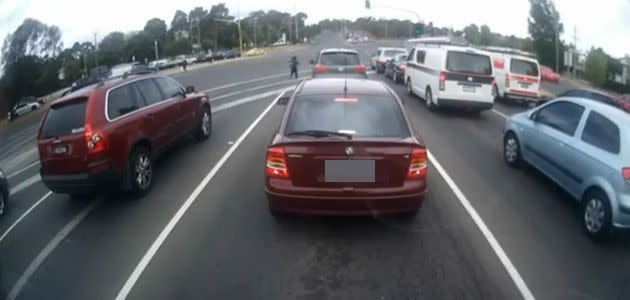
(60,149)
(469,89)
(525,84)
(349,171)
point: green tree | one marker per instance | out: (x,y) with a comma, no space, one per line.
(485,36)
(156,29)
(112,49)
(543,25)
(471,33)
(596,66)
(32,37)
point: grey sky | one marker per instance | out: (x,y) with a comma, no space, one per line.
(602,23)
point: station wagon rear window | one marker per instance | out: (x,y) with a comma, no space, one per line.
(367,116)
(65,118)
(523,67)
(339,59)
(472,63)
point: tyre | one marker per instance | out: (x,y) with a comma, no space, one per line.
(204,126)
(2,204)
(141,170)
(495,91)
(409,87)
(512,151)
(596,215)
(428,98)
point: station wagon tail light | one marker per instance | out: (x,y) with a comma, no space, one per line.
(320,68)
(360,68)
(276,163)
(418,164)
(443,78)
(507,80)
(626,174)
(95,141)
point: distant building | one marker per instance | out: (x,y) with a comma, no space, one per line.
(625,70)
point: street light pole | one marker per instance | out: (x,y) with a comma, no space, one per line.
(155,43)
(240,35)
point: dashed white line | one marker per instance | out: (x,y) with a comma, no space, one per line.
(22,170)
(251,89)
(148,256)
(494,244)
(39,259)
(249,99)
(28,211)
(24,184)
(500,114)
(249,81)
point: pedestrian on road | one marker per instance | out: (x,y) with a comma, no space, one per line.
(293,64)
(184,64)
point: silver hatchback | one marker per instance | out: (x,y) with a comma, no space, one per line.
(584,146)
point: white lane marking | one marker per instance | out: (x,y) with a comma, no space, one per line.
(249,99)
(494,244)
(28,211)
(249,81)
(39,259)
(23,169)
(500,113)
(252,89)
(24,184)
(135,275)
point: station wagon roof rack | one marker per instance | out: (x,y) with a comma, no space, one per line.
(505,50)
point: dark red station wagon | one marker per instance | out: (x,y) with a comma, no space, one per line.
(345,147)
(110,133)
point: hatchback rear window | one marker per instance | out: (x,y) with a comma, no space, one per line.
(468,63)
(523,67)
(65,118)
(365,116)
(391,53)
(339,59)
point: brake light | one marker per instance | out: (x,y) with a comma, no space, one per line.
(360,68)
(507,80)
(95,141)
(418,164)
(276,164)
(494,84)
(320,68)
(402,67)
(443,78)
(626,174)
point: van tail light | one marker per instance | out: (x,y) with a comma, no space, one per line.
(626,174)
(418,164)
(320,68)
(360,68)
(443,78)
(493,85)
(95,140)
(276,163)
(507,80)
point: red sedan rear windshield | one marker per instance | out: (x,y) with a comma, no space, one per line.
(363,116)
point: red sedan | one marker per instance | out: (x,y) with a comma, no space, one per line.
(345,147)
(547,74)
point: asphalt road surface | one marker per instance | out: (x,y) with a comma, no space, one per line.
(485,231)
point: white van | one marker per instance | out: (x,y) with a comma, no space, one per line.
(517,76)
(382,55)
(451,76)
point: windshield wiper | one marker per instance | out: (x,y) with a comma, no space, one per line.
(320,133)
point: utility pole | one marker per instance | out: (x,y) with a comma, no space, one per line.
(297,35)
(290,31)
(155,44)
(255,39)
(386,28)
(557,50)
(575,53)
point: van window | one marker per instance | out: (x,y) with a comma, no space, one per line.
(421,56)
(601,132)
(465,62)
(390,53)
(123,100)
(523,67)
(64,118)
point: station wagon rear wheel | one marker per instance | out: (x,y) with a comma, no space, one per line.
(141,171)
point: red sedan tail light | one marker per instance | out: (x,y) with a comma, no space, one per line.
(320,68)
(276,163)
(418,164)
(360,68)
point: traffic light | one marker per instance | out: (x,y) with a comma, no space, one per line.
(419,28)
(367,4)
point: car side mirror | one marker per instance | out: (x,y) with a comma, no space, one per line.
(312,62)
(190,89)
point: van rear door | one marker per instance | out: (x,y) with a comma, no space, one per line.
(468,76)
(524,77)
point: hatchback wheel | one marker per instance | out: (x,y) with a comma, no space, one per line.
(204,128)
(512,150)
(141,170)
(428,98)
(596,215)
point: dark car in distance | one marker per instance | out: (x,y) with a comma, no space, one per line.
(338,63)
(345,147)
(109,134)
(395,68)
(4,192)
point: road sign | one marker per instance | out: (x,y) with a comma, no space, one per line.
(419,28)
(367,4)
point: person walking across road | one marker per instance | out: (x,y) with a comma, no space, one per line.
(293,65)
